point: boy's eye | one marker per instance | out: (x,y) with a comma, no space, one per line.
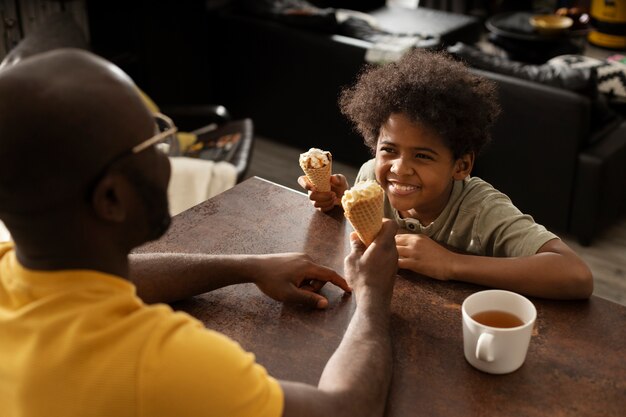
(387,149)
(422,156)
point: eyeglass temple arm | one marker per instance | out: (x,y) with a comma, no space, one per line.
(156,138)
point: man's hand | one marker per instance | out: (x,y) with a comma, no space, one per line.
(352,383)
(375,266)
(326,201)
(423,255)
(295,278)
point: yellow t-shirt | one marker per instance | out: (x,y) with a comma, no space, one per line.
(80,343)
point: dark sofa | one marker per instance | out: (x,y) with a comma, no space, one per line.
(549,154)
(552,161)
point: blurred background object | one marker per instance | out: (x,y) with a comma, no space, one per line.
(608,22)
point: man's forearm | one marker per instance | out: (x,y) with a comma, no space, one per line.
(355,381)
(168,277)
(361,367)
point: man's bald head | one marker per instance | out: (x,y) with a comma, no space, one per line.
(63,116)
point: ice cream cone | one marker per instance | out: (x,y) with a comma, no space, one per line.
(363,207)
(317,166)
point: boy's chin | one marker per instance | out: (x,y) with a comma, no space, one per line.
(401,204)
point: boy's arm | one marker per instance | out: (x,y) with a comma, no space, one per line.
(555,271)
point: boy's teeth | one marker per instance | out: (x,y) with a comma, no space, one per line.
(402,187)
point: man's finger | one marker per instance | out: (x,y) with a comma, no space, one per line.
(388,229)
(316,285)
(356,243)
(386,234)
(322,273)
(308,298)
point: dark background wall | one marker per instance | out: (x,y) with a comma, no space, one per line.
(163,45)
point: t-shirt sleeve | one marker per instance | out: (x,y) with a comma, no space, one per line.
(188,370)
(504,231)
(367,172)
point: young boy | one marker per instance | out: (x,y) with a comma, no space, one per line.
(426,117)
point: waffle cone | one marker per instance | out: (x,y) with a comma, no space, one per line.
(366,216)
(319,177)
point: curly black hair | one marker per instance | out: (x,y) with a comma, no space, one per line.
(431,89)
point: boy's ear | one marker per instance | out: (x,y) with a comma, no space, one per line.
(107,199)
(463,166)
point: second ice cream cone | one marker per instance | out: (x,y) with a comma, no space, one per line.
(317,166)
(363,207)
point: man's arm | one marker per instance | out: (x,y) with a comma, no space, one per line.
(555,271)
(289,277)
(356,379)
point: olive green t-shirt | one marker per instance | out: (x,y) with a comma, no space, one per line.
(478,219)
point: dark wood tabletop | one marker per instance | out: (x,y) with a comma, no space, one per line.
(576,362)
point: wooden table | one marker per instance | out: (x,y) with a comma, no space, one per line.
(576,363)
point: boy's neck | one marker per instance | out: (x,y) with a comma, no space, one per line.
(426,219)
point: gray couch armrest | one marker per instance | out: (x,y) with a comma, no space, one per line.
(600,187)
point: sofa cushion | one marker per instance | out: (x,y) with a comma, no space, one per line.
(611,76)
(581,80)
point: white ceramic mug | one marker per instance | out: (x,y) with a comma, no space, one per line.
(497,350)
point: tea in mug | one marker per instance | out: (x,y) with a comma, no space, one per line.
(497,318)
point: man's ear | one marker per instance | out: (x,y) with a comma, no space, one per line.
(107,200)
(463,166)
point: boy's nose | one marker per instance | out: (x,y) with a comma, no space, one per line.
(401,167)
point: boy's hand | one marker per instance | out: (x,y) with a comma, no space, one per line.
(423,255)
(325,201)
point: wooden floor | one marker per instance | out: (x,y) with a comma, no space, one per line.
(606,256)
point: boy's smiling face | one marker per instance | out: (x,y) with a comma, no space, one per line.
(416,169)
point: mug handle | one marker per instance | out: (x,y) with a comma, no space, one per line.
(484,351)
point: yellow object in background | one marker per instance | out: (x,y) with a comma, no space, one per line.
(151,105)
(185,139)
(608,22)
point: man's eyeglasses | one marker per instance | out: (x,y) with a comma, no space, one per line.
(164,141)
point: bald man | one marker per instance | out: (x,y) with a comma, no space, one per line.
(82,182)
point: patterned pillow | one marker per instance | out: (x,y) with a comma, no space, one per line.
(611,73)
